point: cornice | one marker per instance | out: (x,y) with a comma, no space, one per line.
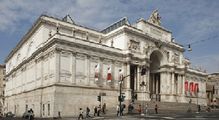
(67,85)
(197,72)
(30,32)
(146,36)
(37,52)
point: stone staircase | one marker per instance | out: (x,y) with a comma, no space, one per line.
(166,107)
(163,108)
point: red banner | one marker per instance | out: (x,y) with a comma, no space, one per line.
(191,87)
(109,74)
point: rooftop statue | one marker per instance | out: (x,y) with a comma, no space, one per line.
(155,18)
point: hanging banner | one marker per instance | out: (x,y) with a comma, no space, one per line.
(109,74)
(96,74)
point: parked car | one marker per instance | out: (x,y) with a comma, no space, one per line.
(9,114)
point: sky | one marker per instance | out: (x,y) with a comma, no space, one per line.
(194,22)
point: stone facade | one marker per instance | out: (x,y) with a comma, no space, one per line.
(213,89)
(59,67)
(2,85)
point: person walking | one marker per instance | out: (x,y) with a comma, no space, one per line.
(139,109)
(95,110)
(87,112)
(146,109)
(117,109)
(80,114)
(104,108)
(98,110)
(156,108)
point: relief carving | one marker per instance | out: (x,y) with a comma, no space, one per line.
(175,58)
(133,45)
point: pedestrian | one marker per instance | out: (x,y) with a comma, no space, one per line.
(146,108)
(87,112)
(80,114)
(95,110)
(199,108)
(98,110)
(117,109)
(122,109)
(104,108)
(130,108)
(156,108)
(139,109)
(31,116)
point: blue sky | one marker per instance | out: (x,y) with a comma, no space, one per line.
(191,21)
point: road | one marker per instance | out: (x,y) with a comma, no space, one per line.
(214,115)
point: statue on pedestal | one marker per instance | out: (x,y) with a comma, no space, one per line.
(155,18)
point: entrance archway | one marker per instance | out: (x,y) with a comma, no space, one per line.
(154,81)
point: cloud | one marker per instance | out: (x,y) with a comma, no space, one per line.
(208,62)
(96,13)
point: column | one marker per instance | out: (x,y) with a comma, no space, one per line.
(101,71)
(113,73)
(57,64)
(138,78)
(157,84)
(126,71)
(183,86)
(87,70)
(162,83)
(172,83)
(147,78)
(73,67)
(179,84)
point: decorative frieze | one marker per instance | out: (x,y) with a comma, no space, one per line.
(134,45)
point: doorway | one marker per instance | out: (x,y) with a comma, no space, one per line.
(155,78)
(133,78)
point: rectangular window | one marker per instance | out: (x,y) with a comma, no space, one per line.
(48,109)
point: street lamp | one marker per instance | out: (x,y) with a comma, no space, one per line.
(198,107)
(121,98)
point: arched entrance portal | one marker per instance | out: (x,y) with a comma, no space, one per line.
(154,82)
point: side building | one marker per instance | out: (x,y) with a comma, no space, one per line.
(2,86)
(60,66)
(213,89)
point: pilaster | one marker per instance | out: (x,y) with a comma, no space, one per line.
(73,68)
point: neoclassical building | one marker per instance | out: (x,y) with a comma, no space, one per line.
(60,66)
(212,89)
(2,85)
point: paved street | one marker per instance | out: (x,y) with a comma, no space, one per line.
(214,115)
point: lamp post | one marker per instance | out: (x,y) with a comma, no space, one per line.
(121,98)
(198,107)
